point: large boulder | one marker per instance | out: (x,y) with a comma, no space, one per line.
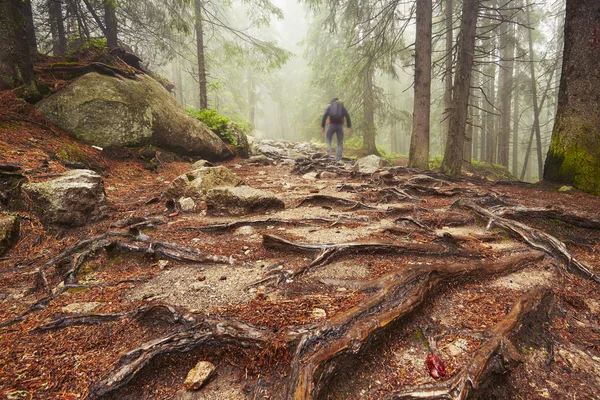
(105,111)
(9,232)
(241,200)
(196,184)
(74,199)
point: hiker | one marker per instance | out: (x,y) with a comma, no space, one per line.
(337,115)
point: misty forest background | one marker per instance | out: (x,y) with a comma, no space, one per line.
(273,66)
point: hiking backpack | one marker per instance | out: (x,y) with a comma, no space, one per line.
(336,112)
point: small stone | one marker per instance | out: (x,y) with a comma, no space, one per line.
(311,176)
(564,189)
(223,278)
(341,289)
(319,313)
(247,252)
(197,286)
(327,174)
(111,188)
(202,278)
(80,308)
(199,375)
(187,204)
(245,230)
(162,264)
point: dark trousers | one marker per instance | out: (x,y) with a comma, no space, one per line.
(338,129)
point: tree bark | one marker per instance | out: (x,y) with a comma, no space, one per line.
(453,155)
(515,133)
(57,27)
(369,146)
(419,143)
(448,71)
(28,15)
(505,91)
(574,153)
(200,50)
(110,21)
(16,67)
(536,108)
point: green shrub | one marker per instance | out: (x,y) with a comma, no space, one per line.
(215,121)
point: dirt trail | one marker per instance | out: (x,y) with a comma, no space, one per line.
(444,273)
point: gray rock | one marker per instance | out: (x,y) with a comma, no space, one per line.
(74,199)
(187,204)
(81,308)
(260,159)
(201,163)
(271,151)
(9,232)
(327,174)
(195,184)
(199,375)
(245,231)
(236,137)
(287,162)
(105,111)
(241,200)
(370,164)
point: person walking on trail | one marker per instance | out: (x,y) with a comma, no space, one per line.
(337,115)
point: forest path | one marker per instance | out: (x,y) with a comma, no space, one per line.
(322,299)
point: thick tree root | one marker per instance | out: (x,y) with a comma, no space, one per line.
(167,313)
(533,237)
(258,222)
(208,332)
(326,349)
(497,348)
(326,253)
(333,201)
(588,222)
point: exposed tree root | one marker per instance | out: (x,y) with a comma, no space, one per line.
(588,222)
(326,253)
(208,332)
(326,349)
(533,237)
(167,313)
(257,222)
(319,163)
(333,201)
(497,349)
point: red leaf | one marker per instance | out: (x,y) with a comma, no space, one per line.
(435,366)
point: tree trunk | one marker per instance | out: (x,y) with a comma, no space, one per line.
(251,98)
(200,51)
(505,91)
(453,155)
(448,71)
(515,136)
(16,67)
(419,143)
(110,22)
(369,146)
(536,108)
(57,27)
(574,153)
(28,15)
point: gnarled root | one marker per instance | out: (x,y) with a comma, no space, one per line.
(497,348)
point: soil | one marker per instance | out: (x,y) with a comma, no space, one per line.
(560,358)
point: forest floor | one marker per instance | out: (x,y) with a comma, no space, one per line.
(333,324)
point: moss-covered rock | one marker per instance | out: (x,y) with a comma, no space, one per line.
(196,184)
(106,111)
(241,200)
(9,232)
(74,199)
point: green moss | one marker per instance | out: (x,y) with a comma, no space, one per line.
(64,64)
(72,153)
(223,126)
(574,155)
